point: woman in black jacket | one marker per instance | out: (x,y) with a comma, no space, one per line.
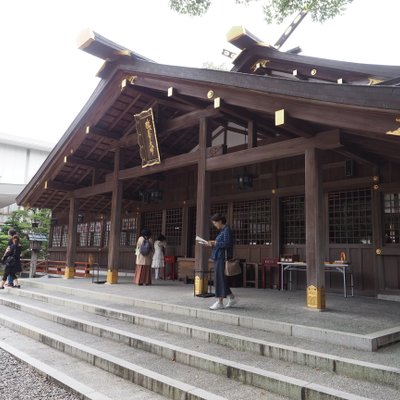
(12,262)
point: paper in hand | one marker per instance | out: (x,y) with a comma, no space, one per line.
(202,241)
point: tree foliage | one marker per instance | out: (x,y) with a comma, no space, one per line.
(274,10)
(21,220)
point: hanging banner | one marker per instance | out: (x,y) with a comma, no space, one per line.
(147,138)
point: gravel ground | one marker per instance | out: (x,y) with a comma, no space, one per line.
(22,382)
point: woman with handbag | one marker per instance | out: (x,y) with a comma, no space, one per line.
(222,249)
(144,255)
(12,262)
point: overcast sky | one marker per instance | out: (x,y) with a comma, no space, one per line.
(45,79)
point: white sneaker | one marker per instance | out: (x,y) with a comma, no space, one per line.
(217,306)
(231,302)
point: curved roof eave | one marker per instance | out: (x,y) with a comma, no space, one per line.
(379,97)
(384,97)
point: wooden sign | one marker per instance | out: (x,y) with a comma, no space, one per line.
(147,138)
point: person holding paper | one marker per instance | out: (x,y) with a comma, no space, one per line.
(222,248)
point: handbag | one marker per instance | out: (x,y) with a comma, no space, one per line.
(10,261)
(232,267)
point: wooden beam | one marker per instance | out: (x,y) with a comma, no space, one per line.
(386,150)
(375,136)
(299,75)
(60,186)
(173,93)
(128,85)
(365,118)
(284,120)
(181,161)
(351,151)
(92,130)
(251,135)
(176,105)
(98,45)
(93,190)
(188,120)
(238,113)
(287,148)
(125,111)
(88,163)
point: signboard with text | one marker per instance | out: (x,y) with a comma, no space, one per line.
(147,138)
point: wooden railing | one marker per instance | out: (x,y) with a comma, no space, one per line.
(82,268)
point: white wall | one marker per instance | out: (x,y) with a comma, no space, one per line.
(20,159)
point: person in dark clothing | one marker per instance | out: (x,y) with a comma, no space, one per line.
(12,262)
(11,233)
(222,249)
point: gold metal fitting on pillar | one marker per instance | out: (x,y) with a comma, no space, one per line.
(316,297)
(378,252)
(69,272)
(112,276)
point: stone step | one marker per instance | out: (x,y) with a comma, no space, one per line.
(339,365)
(162,375)
(250,374)
(79,377)
(368,342)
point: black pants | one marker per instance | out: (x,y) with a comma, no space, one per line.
(9,271)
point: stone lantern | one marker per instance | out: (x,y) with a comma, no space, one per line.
(35,244)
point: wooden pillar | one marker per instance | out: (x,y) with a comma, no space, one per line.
(115,228)
(377,234)
(251,134)
(72,236)
(185,231)
(275,215)
(315,237)
(203,208)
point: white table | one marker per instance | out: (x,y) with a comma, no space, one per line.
(342,268)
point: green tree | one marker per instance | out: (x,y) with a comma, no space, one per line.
(274,10)
(25,221)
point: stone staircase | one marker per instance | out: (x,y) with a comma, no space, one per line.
(109,346)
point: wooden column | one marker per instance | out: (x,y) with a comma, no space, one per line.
(115,229)
(275,214)
(203,208)
(185,231)
(72,236)
(377,233)
(251,134)
(315,238)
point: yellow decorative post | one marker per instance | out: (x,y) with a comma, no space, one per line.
(69,273)
(200,283)
(316,297)
(112,276)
